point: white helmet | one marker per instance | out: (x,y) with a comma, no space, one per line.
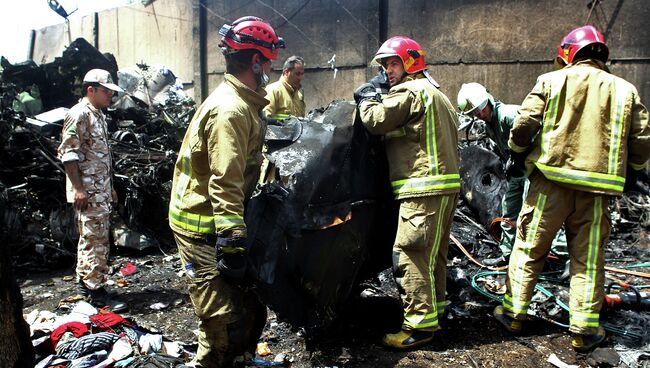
(472,98)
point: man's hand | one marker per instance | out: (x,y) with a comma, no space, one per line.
(516,167)
(114,196)
(231,258)
(364,92)
(80,200)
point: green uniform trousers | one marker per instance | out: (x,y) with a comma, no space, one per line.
(231,319)
(420,257)
(510,207)
(587,221)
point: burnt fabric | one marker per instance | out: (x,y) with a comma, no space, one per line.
(421,247)
(231,318)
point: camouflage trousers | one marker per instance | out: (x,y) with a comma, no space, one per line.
(231,318)
(420,258)
(93,247)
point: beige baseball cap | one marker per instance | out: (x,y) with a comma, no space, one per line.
(103,78)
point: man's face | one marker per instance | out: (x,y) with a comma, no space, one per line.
(294,76)
(100,97)
(485,114)
(394,69)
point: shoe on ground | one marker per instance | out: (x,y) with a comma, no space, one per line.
(496,262)
(511,324)
(407,339)
(100,298)
(584,343)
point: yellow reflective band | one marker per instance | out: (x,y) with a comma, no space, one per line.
(421,321)
(280,117)
(430,132)
(517,302)
(425,184)
(549,118)
(620,94)
(516,148)
(584,178)
(637,167)
(582,319)
(519,309)
(434,252)
(593,251)
(399,132)
(228,221)
(192,222)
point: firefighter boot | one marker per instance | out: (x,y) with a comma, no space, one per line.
(511,324)
(407,339)
(584,343)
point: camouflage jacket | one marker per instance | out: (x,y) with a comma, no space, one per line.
(84,139)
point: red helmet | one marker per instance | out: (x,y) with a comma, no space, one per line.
(408,50)
(251,33)
(578,39)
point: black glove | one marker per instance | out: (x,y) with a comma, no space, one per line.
(630,180)
(516,167)
(364,92)
(380,82)
(231,258)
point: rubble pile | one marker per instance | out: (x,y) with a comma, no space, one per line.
(144,139)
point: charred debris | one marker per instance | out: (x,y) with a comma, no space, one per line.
(145,128)
(323,213)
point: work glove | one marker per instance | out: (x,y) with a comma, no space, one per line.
(515,167)
(380,82)
(364,92)
(630,180)
(231,258)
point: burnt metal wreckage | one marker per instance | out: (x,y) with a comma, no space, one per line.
(320,227)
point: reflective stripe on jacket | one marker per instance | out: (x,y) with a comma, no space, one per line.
(419,127)
(584,127)
(218,163)
(284,100)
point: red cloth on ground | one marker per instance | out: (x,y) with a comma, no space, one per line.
(105,320)
(78,329)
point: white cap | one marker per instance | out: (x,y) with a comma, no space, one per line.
(103,78)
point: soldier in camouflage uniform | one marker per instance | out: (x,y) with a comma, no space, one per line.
(85,154)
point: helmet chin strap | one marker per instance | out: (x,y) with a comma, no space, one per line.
(261,77)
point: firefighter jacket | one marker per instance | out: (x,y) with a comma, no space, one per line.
(84,139)
(218,163)
(583,127)
(284,100)
(419,127)
(503,116)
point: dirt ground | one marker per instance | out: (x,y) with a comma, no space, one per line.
(470,336)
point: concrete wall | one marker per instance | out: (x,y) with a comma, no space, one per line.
(160,33)
(503,44)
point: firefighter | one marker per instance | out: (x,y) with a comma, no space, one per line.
(418,124)
(216,170)
(285,95)
(475,100)
(581,132)
(86,157)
